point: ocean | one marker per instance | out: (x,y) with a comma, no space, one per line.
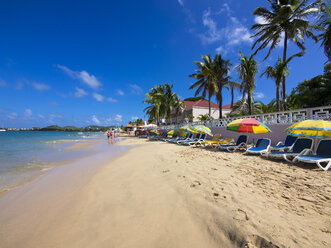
(26,154)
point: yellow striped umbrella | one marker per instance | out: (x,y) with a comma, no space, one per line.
(203,129)
(310,128)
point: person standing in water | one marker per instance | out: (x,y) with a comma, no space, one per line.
(108,134)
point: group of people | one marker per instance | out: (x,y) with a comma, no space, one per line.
(110,135)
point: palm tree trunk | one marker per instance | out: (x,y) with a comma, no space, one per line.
(249,103)
(277,98)
(284,79)
(232,96)
(220,101)
(209,106)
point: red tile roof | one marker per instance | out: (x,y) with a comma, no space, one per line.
(204,104)
(228,106)
(200,103)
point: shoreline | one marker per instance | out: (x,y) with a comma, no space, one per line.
(75,145)
(163,195)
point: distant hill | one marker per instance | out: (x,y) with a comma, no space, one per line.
(91,128)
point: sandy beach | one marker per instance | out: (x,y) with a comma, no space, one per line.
(163,195)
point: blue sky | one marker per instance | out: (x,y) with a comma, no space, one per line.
(90,62)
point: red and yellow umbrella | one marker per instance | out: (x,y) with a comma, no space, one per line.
(248,125)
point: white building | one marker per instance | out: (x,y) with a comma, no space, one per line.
(200,107)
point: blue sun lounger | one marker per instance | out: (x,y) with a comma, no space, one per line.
(322,157)
(299,145)
(194,139)
(188,138)
(201,139)
(241,143)
(262,145)
(289,141)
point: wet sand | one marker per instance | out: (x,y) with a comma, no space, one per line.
(164,195)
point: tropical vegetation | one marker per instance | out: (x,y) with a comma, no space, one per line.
(283,21)
(247,70)
(162,101)
(288,17)
(278,73)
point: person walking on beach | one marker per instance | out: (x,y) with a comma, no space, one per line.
(108,134)
(111,135)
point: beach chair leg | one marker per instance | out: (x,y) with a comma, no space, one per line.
(325,168)
(288,160)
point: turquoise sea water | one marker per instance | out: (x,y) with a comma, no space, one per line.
(24,154)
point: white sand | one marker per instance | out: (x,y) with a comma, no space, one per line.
(163,195)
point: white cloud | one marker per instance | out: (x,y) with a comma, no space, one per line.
(134,118)
(180,2)
(40,86)
(79,93)
(41,117)
(3,83)
(119,118)
(233,33)
(88,79)
(12,115)
(213,33)
(222,50)
(135,89)
(108,121)
(120,92)
(28,113)
(110,99)
(95,120)
(260,20)
(258,95)
(98,97)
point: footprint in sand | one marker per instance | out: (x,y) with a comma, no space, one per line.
(165,171)
(255,241)
(241,215)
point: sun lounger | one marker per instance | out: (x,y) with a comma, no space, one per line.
(199,141)
(188,138)
(194,139)
(214,141)
(241,143)
(262,145)
(299,145)
(322,157)
(179,138)
(289,141)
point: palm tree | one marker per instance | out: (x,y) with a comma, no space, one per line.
(178,106)
(288,17)
(233,86)
(247,70)
(206,83)
(221,70)
(162,102)
(278,73)
(325,22)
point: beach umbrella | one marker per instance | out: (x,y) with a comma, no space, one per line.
(247,125)
(172,132)
(154,131)
(316,129)
(310,128)
(202,129)
(187,128)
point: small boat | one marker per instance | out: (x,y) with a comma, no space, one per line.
(3,130)
(80,132)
